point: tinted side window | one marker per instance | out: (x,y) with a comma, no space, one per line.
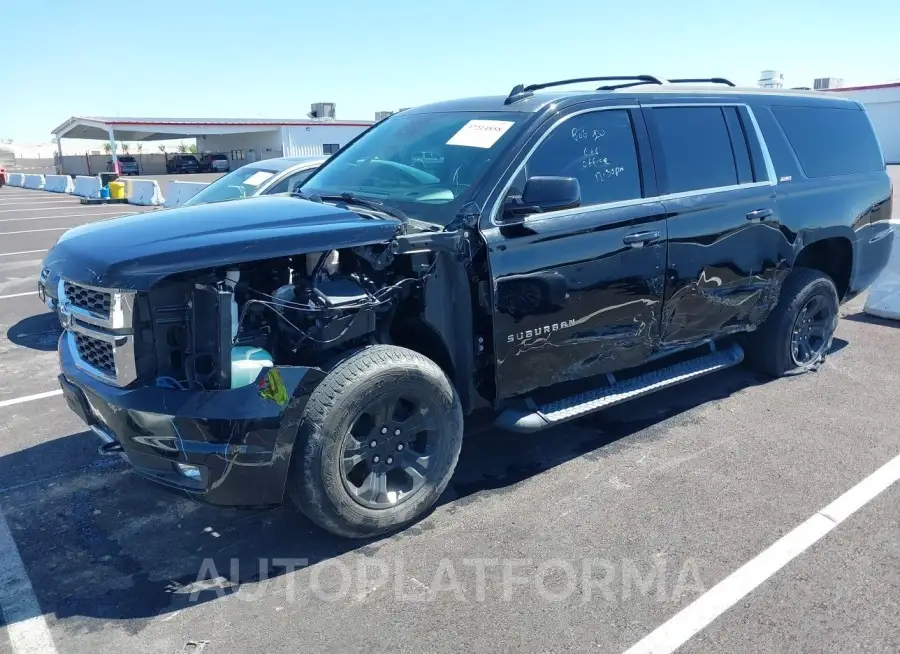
(696,148)
(829,141)
(597,149)
(292,182)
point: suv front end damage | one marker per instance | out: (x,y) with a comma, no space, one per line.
(229,447)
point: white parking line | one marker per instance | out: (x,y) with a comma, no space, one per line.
(29,398)
(20,210)
(12,254)
(676,631)
(26,627)
(7,297)
(69,215)
(36,203)
(31,231)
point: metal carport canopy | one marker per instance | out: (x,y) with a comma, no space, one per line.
(161,129)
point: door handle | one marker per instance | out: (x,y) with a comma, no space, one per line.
(638,239)
(759,214)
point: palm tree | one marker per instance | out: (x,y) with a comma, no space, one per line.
(182,148)
(125,148)
(140,149)
(107,147)
(161,148)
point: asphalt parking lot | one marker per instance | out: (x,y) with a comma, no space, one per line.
(588,537)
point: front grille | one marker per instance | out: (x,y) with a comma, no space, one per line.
(96,353)
(88,299)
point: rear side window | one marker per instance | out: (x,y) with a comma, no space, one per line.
(696,148)
(597,149)
(830,141)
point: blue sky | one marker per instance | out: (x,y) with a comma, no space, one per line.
(272,59)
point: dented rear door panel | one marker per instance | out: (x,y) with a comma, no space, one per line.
(727,250)
(724,268)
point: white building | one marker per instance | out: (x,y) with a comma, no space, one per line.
(882,102)
(771,79)
(822,83)
(242,140)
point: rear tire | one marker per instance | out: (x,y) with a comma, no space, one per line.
(798,333)
(383,413)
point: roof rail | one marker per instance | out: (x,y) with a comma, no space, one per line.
(520,91)
(696,80)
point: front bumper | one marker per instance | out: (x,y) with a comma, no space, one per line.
(233,446)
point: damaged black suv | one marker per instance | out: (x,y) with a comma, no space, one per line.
(557,252)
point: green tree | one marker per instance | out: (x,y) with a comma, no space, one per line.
(182,148)
(192,148)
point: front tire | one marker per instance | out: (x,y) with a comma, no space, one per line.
(377,444)
(798,333)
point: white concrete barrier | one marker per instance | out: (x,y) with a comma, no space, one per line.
(15,179)
(86,187)
(58,183)
(143,191)
(884,297)
(180,192)
(34,181)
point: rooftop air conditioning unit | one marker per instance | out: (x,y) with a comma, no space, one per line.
(322,110)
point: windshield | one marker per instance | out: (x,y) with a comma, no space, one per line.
(240,183)
(422,164)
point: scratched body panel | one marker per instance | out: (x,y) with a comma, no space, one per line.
(571,300)
(722,266)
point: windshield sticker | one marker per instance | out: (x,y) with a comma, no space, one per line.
(257,178)
(480,133)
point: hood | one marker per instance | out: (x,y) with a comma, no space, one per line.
(134,252)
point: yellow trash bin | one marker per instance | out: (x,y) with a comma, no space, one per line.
(117,190)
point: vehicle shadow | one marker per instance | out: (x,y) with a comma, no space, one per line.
(99,542)
(871,320)
(39,332)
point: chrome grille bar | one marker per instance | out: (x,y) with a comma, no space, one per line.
(99,334)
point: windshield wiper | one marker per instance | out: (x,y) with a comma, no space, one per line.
(350,198)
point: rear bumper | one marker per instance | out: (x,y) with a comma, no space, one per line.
(229,447)
(872,253)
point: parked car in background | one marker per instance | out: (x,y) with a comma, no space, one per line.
(267,177)
(128,165)
(214,163)
(182,163)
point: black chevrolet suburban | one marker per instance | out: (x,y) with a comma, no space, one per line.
(563,251)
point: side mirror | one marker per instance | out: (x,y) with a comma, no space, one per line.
(542,194)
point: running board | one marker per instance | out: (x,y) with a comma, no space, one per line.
(554,413)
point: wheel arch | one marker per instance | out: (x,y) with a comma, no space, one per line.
(831,253)
(440,327)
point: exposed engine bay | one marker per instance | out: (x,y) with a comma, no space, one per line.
(217,329)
